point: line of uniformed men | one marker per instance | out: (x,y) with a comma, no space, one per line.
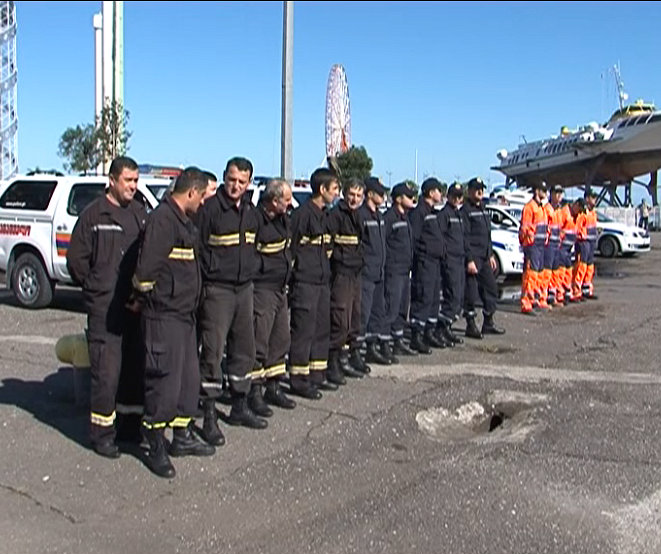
(245,282)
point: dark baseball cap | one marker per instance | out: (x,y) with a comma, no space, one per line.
(541,185)
(557,188)
(475,183)
(402,189)
(373,184)
(456,190)
(589,192)
(431,183)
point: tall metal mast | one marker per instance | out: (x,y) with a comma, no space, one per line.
(286,136)
(8,78)
(621,95)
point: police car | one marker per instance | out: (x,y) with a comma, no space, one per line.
(615,237)
(505,241)
(37,216)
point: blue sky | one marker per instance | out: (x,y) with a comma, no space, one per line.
(454,81)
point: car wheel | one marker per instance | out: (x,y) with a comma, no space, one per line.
(608,247)
(30,283)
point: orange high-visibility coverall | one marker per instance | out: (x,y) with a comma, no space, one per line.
(563,275)
(532,237)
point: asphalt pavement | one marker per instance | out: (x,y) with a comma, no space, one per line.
(545,439)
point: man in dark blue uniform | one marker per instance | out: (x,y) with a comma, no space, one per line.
(480,263)
(372,305)
(429,249)
(453,266)
(399,257)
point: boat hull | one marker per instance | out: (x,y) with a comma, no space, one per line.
(629,153)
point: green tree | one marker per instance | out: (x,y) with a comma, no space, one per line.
(78,145)
(112,132)
(353,163)
(85,147)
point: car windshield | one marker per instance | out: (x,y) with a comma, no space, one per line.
(158,190)
(604,218)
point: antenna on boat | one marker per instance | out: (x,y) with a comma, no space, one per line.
(523,138)
(621,95)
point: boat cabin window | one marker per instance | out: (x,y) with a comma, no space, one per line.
(655,118)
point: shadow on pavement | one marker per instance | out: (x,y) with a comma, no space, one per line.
(52,402)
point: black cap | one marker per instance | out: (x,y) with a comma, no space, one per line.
(455,190)
(541,185)
(373,184)
(590,193)
(402,189)
(475,183)
(431,183)
(557,188)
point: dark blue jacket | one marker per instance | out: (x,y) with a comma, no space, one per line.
(374,243)
(399,243)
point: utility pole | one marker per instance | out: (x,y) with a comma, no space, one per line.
(416,166)
(389,173)
(286,136)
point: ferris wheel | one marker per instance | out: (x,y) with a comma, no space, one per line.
(338,113)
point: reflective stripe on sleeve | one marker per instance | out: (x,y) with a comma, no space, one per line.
(231,239)
(186,254)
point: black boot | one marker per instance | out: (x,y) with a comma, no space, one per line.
(400,347)
(346,368)
(241,414)
(471,329)
(440,337)
(319,380)
(185,443)
(107,449)
(256,401)
(276,397)
(374,356)
(445,329)
(301,386)
(418,342)
(157,458)
(356,361)
(431,339)
(333,372)
(489,327)
(211,433)
(387,352)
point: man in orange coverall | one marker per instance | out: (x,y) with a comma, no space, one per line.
(586,244)
(551,274)
(532,237)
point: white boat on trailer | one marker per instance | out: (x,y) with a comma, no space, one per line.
(627,146)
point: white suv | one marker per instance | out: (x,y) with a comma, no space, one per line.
(37,216)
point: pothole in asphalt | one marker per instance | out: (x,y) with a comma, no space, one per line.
(502,416)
